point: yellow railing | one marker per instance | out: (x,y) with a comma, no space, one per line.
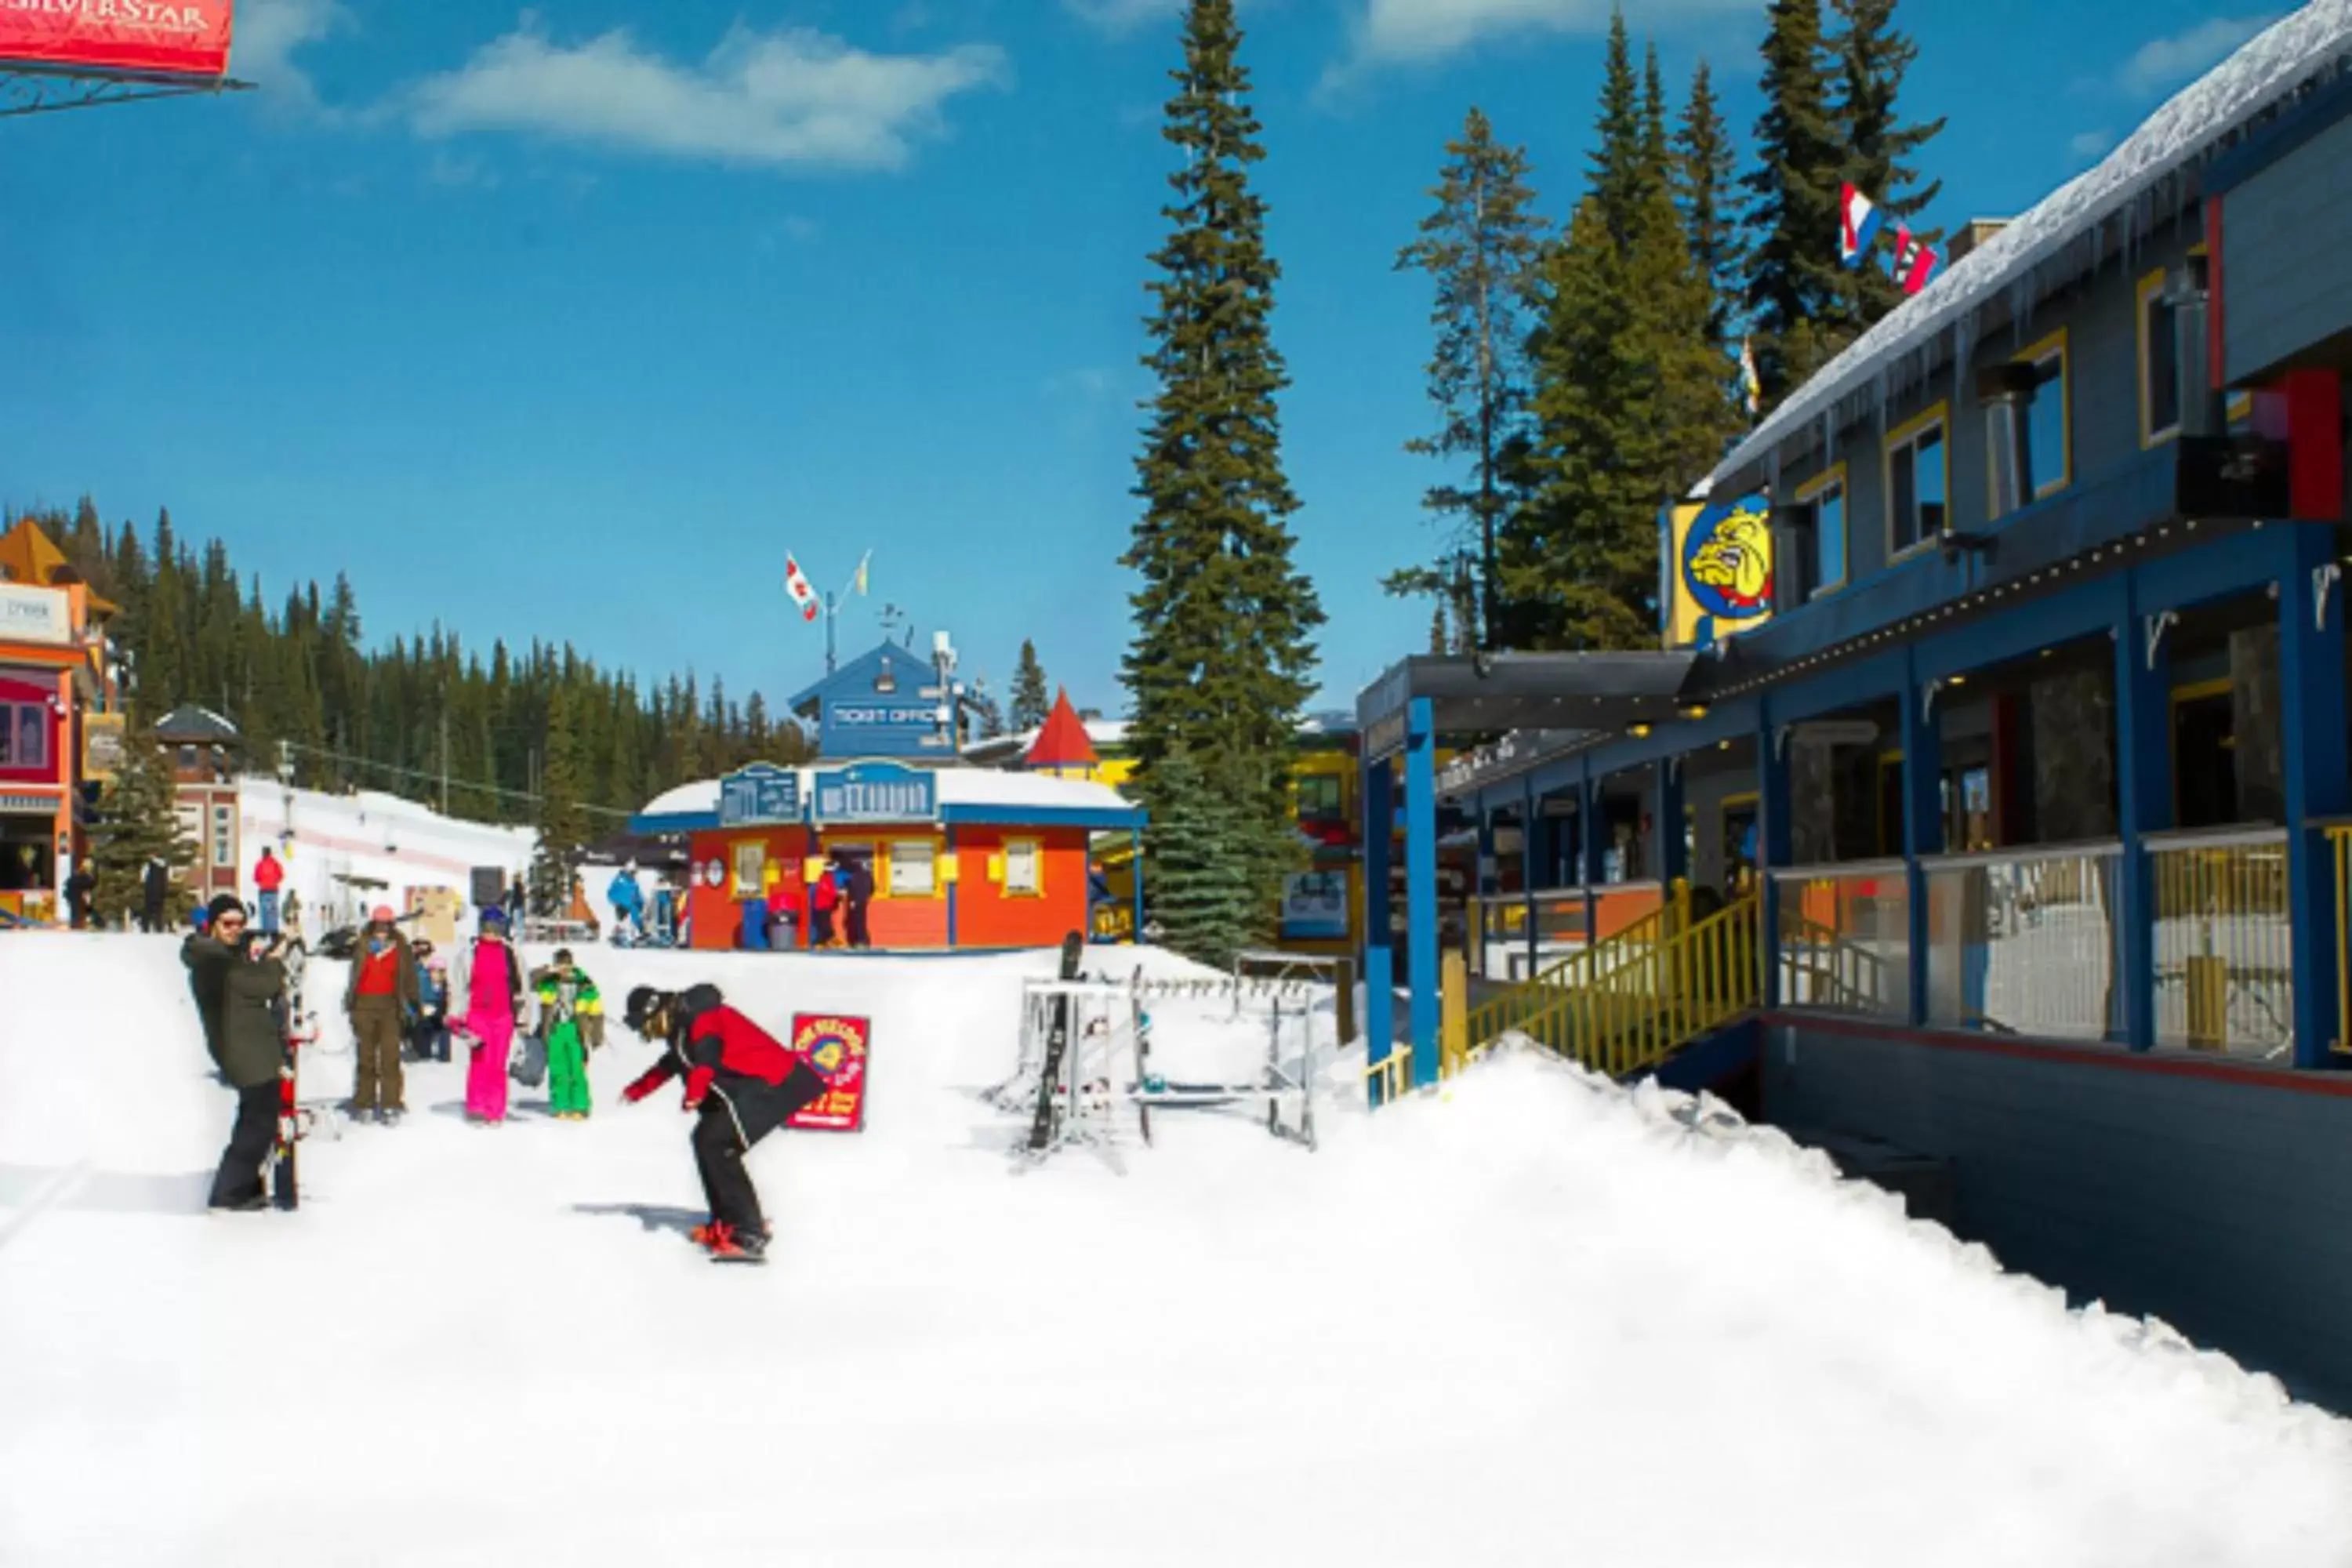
(2339,839)
(1647,991)
(2224,944)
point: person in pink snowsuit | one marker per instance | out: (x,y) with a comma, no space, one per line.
(488,987)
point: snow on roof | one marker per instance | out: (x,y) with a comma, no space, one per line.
(2065,234)
(695,799)
(994,786)
(957,786)
(1102,733)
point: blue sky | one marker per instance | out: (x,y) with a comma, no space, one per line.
(568,322)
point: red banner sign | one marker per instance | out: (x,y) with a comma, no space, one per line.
(180,37)
(834,1049)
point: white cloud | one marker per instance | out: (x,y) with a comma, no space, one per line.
(269,34)
(2161,63)
(2088,144)
(1393,30)
(1121,15)
(791,97)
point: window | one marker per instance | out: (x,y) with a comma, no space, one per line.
(1319,798)
(1915,509)
(914,868)
(224,835)
(2160,363)
(750,869)
(2044,454)
(1826,496)
(23,736)
(1023,869)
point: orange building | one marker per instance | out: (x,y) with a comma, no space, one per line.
(960,857)
(54,691)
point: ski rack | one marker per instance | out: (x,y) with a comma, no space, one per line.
(1106,1062)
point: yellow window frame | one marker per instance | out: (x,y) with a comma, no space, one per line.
(2055,346)
(1036,860)
(1829,479)
(1936,414)
(884,848)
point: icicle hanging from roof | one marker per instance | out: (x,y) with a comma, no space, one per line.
(2064,234)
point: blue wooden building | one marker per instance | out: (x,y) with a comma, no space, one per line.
(1997,814)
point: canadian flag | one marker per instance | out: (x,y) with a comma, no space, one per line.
(797,584)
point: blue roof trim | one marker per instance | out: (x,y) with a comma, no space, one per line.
(1045,817)
(673,822)
(2267,146)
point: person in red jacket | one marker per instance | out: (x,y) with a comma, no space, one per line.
(268,876)
(744,1083)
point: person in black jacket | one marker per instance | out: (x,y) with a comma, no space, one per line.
(744,1083)
(247,1032)
(859,893)
(80,889)
(208,954)
(154,887)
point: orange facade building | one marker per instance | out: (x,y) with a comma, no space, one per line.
(960,857)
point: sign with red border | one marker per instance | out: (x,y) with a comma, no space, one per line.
(833,1046)
(176,37)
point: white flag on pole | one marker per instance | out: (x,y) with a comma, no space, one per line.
(797,584)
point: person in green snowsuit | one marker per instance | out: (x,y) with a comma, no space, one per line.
(572,1022)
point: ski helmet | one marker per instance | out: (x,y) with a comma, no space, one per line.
(644,1003)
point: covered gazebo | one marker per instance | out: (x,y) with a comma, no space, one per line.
(1406,714)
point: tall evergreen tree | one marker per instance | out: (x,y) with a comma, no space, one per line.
(563,825)
(1657,157)
(1031,699)
(1222,650)
(1795,288)
(1706,175)
(1872,58)
(1622,160)
(1578,556)
(1205,889)
(1479,248)
(137,822)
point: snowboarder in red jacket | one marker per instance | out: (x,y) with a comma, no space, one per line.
(744,1083)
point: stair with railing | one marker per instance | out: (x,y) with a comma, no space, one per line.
(1622,1005)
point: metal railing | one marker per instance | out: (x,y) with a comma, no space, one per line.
(1845,939)
(1567,922)
(1645,995)
(2027,942)
(2224,943)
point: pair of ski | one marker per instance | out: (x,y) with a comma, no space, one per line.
(1057,1046)
(285,1191)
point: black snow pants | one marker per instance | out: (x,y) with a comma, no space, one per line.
(733,1120)
(238,1180)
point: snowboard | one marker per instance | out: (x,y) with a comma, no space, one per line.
(1057,1045)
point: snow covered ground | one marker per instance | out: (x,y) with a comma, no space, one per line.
(1537,1321)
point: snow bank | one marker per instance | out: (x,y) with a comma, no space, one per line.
(1540,1320)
